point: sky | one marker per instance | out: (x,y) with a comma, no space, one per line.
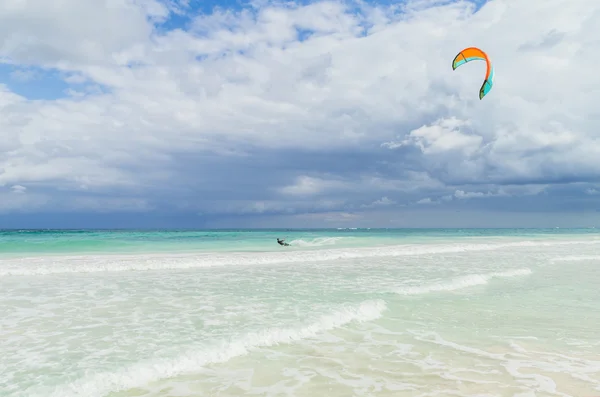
(207,114)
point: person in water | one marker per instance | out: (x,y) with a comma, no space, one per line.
(281,242)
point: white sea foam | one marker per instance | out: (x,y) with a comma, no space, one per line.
(533,369)
(317,242)
(457,283)
(143,373)
(103,263)
(576,258)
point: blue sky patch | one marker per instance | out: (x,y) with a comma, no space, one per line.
(34,83)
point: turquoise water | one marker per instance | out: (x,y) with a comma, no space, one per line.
(338,313)
(138,241)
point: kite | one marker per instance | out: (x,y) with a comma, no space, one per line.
(472,54)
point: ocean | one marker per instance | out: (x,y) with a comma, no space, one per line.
(340,312)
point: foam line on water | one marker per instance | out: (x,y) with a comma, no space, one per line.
(143,373)
(317,242)
(576,258)
(457,283)
(519,358)
(102,263)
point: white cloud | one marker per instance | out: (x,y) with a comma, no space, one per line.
(241,82)
(460,194)
(308,186)
(18,189)
(507,191)
(359,182)
(442,136)
(427,200)
(382,202)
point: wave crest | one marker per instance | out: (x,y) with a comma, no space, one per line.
(146,372)
(457,283)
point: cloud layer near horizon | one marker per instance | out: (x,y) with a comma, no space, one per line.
(346,109)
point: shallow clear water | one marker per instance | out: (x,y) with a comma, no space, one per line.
(465,313)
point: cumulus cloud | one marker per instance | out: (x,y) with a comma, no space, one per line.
(443,136)
(427,200)
(306,185)
(459,194)
(18,189)
(382,202)
(298,107)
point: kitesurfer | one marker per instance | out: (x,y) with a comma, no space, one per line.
(281,242)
